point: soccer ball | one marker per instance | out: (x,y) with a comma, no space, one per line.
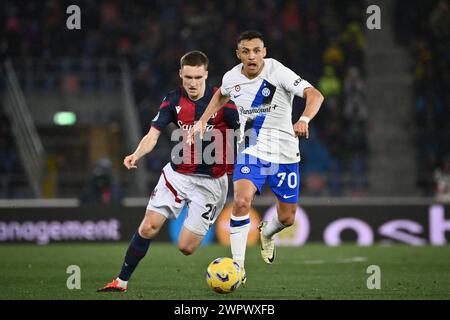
(223,275)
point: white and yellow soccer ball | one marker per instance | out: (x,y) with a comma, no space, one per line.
(223,275)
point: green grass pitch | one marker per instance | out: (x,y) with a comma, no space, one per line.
(313,271)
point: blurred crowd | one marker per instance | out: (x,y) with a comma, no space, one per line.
(12,175)
(323,41)
(424,28)
(102,186)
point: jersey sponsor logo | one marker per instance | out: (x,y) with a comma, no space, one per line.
(214,115)
(287,197)
(178,108)
(236,96)
(265,109)
(237,88)
(245,170)
(187,127)
(156,117)
(297,82)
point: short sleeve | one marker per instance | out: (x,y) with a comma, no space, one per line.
(291,81)
(224,91)
(226,87)
(164,116)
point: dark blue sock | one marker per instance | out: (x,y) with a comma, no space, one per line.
(136,251)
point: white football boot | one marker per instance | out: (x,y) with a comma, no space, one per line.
(267,245)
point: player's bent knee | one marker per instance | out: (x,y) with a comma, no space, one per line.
(186,249)
(241,205)
(148,231)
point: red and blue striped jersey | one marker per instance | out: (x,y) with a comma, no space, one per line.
(179,109)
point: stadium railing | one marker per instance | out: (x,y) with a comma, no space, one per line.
(29,145)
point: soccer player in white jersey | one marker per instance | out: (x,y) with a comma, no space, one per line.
(263,91)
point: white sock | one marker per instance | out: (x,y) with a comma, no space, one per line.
(239,228)
(121,282)
(274,226)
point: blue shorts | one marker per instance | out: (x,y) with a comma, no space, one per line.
(284,178)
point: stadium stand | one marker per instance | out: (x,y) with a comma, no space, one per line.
(322,40)
(13,182)
(423,27)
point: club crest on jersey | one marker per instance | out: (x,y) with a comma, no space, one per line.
(245,170)
(265,92)
(178,108)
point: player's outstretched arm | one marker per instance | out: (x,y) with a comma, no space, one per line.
(145,146)
(217,102)
(314,101)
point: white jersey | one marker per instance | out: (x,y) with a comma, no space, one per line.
(265,105)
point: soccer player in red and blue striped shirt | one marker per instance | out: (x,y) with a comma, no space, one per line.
(196,176)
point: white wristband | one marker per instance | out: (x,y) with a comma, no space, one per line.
(304,118)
